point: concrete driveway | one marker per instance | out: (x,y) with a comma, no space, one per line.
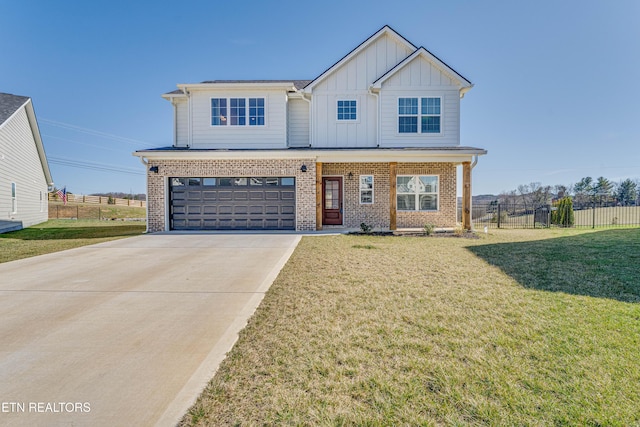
(127,332)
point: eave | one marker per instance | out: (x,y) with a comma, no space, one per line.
(362,155)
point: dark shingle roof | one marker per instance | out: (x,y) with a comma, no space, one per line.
(9,104)
(299,84)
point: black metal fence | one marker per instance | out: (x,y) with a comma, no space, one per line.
(519,215)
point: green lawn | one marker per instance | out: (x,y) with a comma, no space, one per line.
(58,235)
(94,211)
(518,327)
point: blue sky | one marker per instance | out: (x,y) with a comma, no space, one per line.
(555,96)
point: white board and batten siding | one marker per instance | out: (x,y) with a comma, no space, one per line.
(298,123)
(203,135)
(351,81)
(20,164)
(182,122)
(418,79)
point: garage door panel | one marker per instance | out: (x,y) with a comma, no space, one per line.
(288,195)
(210,209)
(232,203)
(225,209)
(240,210)
(272,209)
(209,196)
(241,195)
(287,210)
(225,195)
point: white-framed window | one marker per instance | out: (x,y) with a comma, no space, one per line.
(347,110)
(234,111)
(366,189)
(14,198)
(420,115)
(417,192)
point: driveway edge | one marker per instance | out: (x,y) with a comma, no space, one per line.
(209,366)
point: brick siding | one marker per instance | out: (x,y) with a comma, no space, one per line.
(377,214)
(158,186)
(354,213)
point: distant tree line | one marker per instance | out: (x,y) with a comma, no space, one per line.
(587,191)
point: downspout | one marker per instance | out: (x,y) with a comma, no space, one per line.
(377,96)
(473,165)
(175,123)
(146,163)
(189,120)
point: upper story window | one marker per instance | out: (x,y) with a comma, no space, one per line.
(419,115)
(237,112)
(347,110)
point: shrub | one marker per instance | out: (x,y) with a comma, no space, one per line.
(111,201)
(428,229)
(563,214)
(365,228)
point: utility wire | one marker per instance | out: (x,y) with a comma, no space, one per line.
(93,166)
(94,132)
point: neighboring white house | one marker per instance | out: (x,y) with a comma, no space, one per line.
(375,138)
(25,179)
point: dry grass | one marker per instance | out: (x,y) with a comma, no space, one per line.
(361,330)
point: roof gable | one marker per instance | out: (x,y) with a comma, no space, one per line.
(384,31)
(9,104)
(421,52)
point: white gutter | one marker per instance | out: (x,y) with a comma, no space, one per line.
(321,155)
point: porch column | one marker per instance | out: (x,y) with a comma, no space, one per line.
(392,195)
(318,196)
(466,196)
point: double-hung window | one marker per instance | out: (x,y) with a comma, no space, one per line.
(417,193)
(347,110)
(366,189)
(234,112)
(419,115)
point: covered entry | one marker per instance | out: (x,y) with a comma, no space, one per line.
(238,203)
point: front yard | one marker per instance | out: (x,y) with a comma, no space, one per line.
(519,327)
(60,234)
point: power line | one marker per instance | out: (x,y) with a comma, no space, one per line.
(93,166)
(83,143)
(94,132)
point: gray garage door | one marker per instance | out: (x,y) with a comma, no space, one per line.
(245,203)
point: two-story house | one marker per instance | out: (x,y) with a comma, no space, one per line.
(375,138)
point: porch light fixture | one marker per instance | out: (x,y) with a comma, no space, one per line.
(303,168)
(153,169)
(350,176)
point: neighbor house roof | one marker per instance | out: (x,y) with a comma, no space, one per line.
(9,105)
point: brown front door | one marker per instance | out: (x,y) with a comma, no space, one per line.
(332,200)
